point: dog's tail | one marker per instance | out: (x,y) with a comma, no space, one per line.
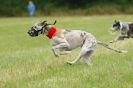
(109,47)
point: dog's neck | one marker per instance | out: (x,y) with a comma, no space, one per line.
(53,31)
(124,27)
(59,34)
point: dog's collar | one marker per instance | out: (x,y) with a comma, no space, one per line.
(51,33)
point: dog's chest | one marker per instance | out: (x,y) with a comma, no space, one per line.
(130,26)
(130,31)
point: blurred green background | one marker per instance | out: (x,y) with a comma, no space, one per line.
(66,7)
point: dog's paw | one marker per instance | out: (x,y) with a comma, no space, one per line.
(70,63)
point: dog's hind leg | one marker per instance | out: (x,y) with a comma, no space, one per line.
(74,61)
(82,53)
(87,57)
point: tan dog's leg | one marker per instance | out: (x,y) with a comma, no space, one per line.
(74,61)
(54,51)
(87,58)
(82,53)
(86,50)
(60,46)
(65,52)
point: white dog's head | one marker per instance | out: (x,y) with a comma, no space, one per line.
(117,25)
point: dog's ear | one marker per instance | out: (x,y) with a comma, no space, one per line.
(115,21)
(44,22)
(54,22)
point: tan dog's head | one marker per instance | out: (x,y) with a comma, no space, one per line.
(39,28)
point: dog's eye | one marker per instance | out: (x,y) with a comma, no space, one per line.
(35,28)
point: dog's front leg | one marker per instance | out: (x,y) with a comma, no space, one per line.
(65,52)
(120,37)
(54,51)
(60,46)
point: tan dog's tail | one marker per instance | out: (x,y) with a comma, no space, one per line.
(109,47)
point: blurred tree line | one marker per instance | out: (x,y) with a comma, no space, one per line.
(66,7)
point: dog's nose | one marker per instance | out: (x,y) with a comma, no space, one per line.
(29,32)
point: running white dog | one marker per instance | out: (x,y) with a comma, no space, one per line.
(67,40)
(126,29)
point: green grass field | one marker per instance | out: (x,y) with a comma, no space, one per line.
(27,62)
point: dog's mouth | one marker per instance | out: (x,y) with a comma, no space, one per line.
(32,33)
(113,29)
